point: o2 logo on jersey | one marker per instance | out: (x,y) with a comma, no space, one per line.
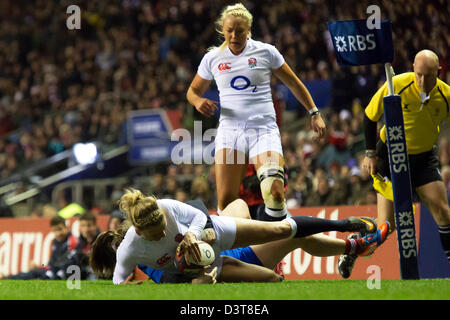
(224,66)
(241,83)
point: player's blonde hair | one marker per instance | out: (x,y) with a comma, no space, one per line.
(141,210)
(236,10)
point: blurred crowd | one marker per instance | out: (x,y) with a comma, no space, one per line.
(70,253)
(60,86)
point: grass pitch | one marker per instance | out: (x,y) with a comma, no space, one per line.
(425,289)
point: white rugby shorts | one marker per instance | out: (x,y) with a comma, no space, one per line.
(225,228)
(253,136)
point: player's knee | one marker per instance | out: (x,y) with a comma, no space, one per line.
(277,192)
(271,176)
(238,205)
(237,208)
(279,230)
(442,214)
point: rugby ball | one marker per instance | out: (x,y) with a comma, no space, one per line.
(207,257)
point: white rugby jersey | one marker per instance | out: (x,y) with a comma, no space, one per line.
(243,80)
(160,254)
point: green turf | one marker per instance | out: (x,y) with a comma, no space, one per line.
(287,290)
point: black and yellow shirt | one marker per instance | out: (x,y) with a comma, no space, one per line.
(421,115)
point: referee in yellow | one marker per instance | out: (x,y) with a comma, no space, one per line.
(425,104)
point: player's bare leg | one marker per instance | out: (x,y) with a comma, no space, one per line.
(317,245)
(250,232)
(385,209)
(230,168)
(270,254)
(269,167)
(434,196)
(236,209)
(234,270)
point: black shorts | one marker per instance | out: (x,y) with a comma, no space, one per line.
(423,167)
(200,205)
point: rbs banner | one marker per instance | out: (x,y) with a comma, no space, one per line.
(401,185)
(355,44)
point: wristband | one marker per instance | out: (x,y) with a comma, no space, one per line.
(313,110)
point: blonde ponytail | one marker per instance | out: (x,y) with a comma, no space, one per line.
(141,210)
(236,10)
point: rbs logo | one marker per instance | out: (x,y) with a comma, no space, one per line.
(355,43)
(398,148)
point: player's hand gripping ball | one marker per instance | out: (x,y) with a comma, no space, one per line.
(207,257)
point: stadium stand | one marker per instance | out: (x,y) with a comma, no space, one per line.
(60,87)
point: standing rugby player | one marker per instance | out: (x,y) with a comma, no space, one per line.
(247,131)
